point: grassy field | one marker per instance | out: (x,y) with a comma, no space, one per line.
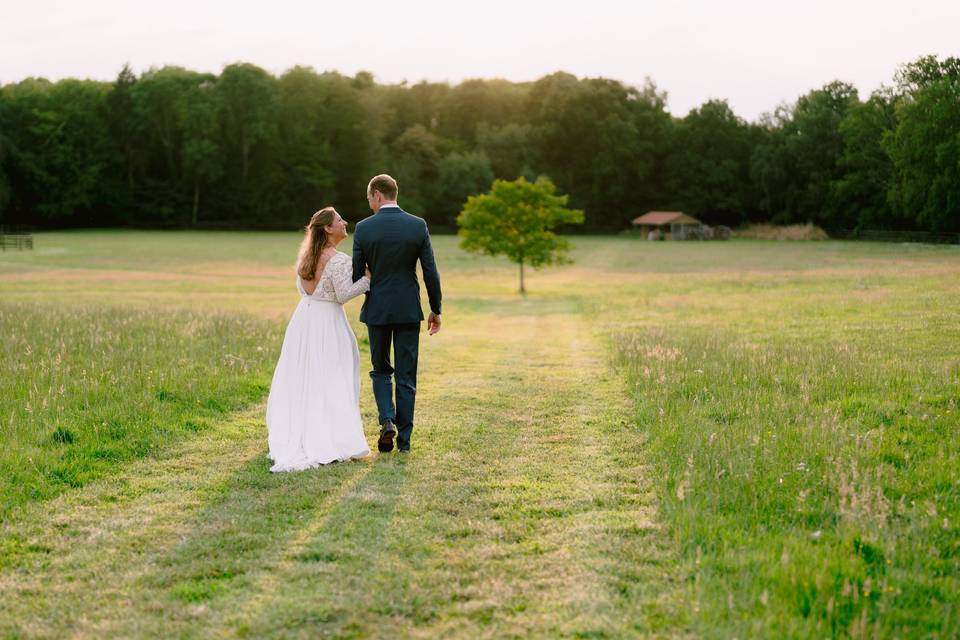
(743,439)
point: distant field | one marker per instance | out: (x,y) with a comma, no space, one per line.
(745,438)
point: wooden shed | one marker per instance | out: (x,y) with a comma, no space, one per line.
(668,225)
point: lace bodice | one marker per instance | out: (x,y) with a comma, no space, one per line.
(336,282)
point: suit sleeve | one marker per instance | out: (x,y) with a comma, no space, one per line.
(431,277)
(359,260)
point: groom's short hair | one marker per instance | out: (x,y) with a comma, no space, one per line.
(385,185)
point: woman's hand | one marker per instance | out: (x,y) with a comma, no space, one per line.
(367,273)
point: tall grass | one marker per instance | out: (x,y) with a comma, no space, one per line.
(85,389)
(814,485)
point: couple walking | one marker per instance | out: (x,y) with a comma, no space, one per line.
(313,411)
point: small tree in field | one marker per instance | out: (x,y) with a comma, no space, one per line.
(517,219)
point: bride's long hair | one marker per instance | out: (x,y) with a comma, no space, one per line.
(315,240)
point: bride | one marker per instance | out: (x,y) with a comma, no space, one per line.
(313,411)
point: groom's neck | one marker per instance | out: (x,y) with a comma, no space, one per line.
(392,203)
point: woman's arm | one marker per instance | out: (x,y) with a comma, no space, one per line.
(343,284)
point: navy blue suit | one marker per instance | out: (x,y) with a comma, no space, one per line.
(390,243)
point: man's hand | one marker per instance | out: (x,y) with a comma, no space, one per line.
(433,323)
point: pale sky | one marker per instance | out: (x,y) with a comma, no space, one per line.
(754,53)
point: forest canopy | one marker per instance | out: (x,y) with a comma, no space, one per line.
(247,149)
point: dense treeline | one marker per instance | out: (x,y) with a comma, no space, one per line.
(177,148)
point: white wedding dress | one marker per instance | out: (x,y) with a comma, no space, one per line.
(313,411)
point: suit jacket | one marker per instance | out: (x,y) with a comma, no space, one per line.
(390,242)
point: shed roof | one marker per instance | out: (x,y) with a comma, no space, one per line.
(657,218)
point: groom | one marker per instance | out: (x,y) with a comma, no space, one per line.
(390,243)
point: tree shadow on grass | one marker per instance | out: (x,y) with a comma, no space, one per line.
(244,528)
(336,561)
(375,567)
(255,525)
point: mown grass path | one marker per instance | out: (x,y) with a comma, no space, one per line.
(526,509)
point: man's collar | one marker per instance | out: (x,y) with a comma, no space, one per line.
(392,205)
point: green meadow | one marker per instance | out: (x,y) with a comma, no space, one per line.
(737,439)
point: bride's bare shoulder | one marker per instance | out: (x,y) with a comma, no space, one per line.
(326,256)
(337,256)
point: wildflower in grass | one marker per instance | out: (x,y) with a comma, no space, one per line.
(682,490)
